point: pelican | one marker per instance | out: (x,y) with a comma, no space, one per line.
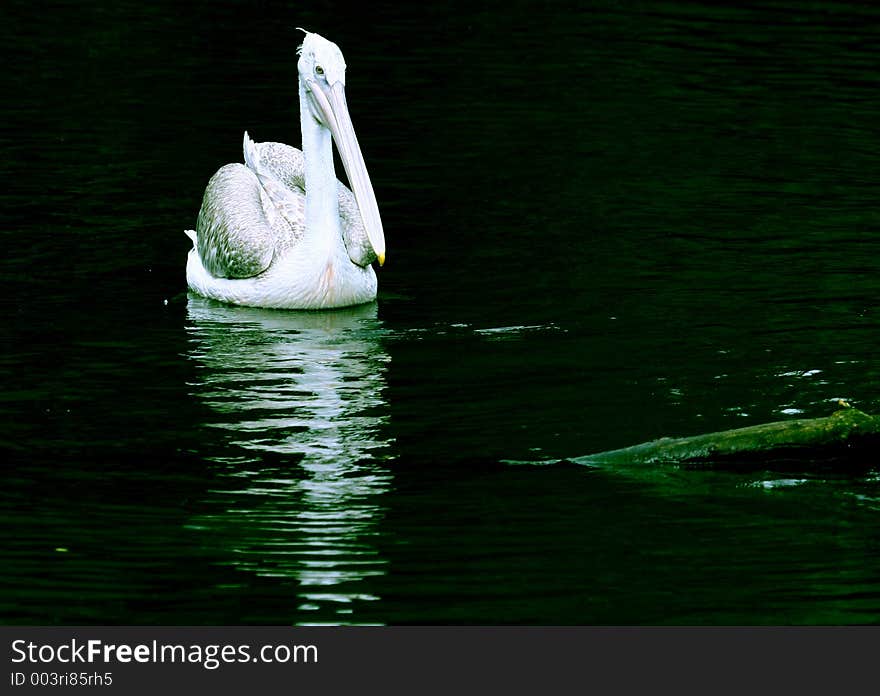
(280,230)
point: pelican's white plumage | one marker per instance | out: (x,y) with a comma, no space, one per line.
(280,230)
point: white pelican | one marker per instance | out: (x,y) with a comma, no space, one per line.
(280,230)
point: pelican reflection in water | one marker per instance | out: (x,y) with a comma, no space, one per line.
(298,400)
(280,230)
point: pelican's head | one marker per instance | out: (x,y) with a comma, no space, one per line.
(322,76)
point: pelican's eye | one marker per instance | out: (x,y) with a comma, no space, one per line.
(319,70)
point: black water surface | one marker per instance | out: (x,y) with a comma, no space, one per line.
(606,222)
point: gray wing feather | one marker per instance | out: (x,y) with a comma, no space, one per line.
(357,244)
(236,238)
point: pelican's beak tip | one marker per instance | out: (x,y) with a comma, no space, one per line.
(381,258)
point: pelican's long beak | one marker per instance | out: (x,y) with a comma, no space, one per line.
(332,106)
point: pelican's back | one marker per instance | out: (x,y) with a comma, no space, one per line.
(277,162)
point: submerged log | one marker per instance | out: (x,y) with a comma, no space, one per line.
(848,436)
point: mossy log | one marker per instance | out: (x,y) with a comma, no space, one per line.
(848,436)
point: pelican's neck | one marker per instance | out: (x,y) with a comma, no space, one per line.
(322,206)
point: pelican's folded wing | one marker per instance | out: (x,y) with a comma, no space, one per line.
(354,234)
(237,232)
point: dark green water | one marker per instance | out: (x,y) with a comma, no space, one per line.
(605,224)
